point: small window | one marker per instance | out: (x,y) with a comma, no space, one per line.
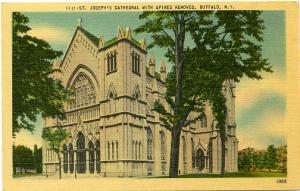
(113,150)
(163,146)
(203,121)
(135,62)
(140,150)
(149,144)
(108,151)
(136,150)
(184,149)
(111,61)
(117,150)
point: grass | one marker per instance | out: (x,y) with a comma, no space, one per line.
(26,174)
(232,175)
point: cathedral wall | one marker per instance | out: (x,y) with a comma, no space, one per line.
(120,122)
(81,52)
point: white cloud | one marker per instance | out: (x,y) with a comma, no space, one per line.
(249,91)
(270,127)
(51,34)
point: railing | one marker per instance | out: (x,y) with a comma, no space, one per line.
(85,114)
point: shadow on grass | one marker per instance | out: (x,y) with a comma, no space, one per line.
(231,175)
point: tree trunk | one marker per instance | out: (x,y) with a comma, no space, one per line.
(179,33)
(59,165)
(174,154)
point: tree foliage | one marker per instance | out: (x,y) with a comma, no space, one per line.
(274,158)
(282,158)
(55,138)
(34,91)
(23,157)
(225,47)
(38,158)
(271,157)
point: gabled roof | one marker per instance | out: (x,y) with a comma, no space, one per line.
(90,36)
(95,40)
(110,42)
(115,40)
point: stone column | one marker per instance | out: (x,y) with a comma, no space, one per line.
(75,162)
(87,161)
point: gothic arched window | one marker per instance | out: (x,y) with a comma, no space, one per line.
(149,144)
(112,151)
(65,158)
(136,150)
(108,151)
(98,156)
(135,104)
(163,145)
(71,158)
(91,157)
(200,159)
(117,150)
(84,92)
(133,144)
(112,104)
(111,61)
(210,156)
(136,59)
(140,145)
(81,155)
(193,153)
(203,120)
(183,149)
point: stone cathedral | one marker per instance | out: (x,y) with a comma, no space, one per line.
(112,130)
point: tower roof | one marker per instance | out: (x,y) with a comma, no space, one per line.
(152,59)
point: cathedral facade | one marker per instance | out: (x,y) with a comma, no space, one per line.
(112,130)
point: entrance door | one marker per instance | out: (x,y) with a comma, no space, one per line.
(81,166)
(200,159)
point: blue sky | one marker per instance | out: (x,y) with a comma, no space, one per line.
(260,105)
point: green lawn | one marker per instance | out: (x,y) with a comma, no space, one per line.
(26,174)
(232,175)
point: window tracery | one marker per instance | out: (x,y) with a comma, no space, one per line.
(84,92)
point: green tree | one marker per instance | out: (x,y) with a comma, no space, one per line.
(282,158)
(37,155)
(246,160)
(271,157)
(55,138)
(34,91)
(259,160)
(242,163)
(224,49)
(22,158)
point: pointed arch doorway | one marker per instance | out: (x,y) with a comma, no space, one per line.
(200,159)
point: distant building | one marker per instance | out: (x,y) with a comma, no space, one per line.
(113,130)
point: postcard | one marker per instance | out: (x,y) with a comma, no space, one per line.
(151,96)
